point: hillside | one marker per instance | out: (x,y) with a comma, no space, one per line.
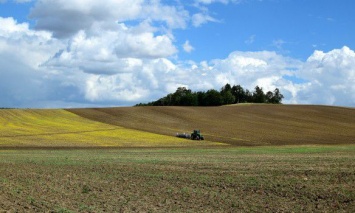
(245,125)
(60,128)
(238,124)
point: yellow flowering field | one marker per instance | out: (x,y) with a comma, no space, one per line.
(60,128)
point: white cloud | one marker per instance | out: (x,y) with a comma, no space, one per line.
(201,18)
(65,20)
(331,78)
(112,52)
(187,47)
(22,51)
(87,54)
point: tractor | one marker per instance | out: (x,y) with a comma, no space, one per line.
(196,135)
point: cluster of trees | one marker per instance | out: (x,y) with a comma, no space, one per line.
(227,95)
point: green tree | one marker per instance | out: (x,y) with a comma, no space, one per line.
(259,95)
(201,99)
(248,96)
(277,97)
(228,95)
(226,88)
(181,97)
(269,97)
(228,98)
(239,94)
(213,98)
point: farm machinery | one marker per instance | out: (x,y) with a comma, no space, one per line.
(195,135)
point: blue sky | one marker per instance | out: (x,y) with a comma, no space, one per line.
(56,53)
(292,27)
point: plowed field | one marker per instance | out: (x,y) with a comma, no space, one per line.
(246,125)
(233,179)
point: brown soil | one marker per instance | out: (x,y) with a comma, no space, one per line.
(246,125)
(187,180)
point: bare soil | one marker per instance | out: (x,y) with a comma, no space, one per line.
(246,125)
(264,179)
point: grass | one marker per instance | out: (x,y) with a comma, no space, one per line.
(270,179)
(60,128)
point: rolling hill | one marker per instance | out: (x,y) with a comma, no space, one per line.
(245,125)
(26,128)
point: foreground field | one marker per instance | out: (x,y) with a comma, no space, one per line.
(245,125)
(270,179)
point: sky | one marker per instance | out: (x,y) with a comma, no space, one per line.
(90,53)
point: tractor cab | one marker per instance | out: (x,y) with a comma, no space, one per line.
(196,135)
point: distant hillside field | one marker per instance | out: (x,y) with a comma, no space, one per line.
(60,128)
(247,125)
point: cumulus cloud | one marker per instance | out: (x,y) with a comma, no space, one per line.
(330,76)
(22,51)
(66,19)
(115,53)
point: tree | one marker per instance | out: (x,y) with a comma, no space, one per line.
(239,94)
(213,98)
(201,99)
(227,95)
(228,98)
(248,96)
(226,88)
(269,97)
(182,97)
(277,97)
(258,95)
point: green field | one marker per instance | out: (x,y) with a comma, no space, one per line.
(257,158)
(264,179)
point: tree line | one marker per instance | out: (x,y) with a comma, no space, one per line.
(227,95)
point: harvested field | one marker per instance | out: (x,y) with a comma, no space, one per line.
(257,179)
(245,125)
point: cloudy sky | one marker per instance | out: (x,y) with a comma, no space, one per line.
(85,53)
